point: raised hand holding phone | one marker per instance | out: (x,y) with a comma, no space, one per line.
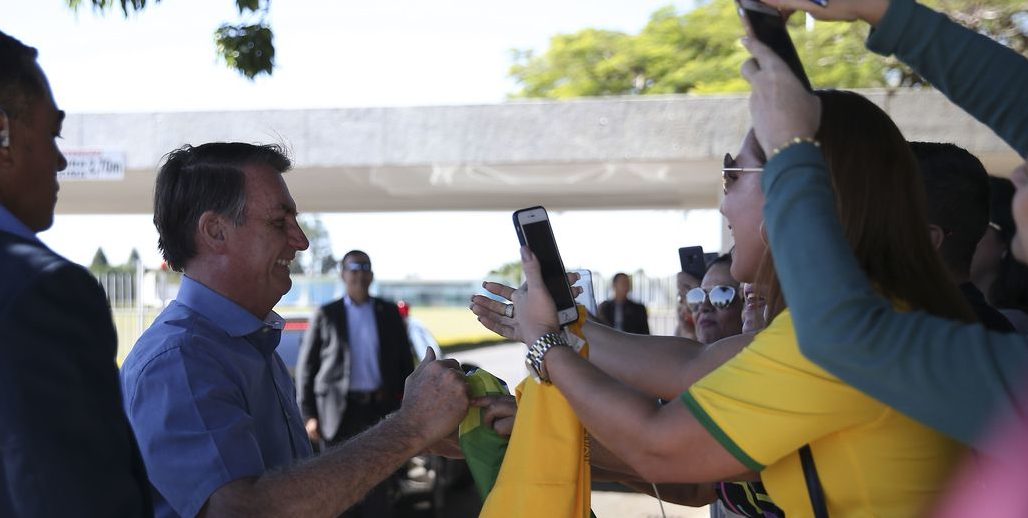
(534,309)
(767,24)
(780,108)
(534,231)
(871,11)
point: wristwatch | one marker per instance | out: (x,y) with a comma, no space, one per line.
(536,352)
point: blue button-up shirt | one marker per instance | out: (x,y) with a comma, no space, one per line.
(362,331)
(209,399)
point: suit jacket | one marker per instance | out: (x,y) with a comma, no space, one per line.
(635,318)
(323,364)
(66,448)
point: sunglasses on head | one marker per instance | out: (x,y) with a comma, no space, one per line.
(719,296)
(357,267)
(730,173)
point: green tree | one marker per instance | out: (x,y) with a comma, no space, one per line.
(318,258)
(509,274)
(246,46)
(99,264)
(699,52)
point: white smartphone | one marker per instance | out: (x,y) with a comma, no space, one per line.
(533,228)
(588,296)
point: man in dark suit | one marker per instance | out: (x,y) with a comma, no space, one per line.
(351,367)
(65,445)
(624,314)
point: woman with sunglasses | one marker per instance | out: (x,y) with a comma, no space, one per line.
(760,409)
(955,378)
(716,305)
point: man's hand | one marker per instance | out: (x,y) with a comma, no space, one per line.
(312,429)
(498,412)
(871,11)
(435,398)
(780,107)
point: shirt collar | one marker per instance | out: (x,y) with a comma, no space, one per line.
(351,304)
(224,313)
(12,225)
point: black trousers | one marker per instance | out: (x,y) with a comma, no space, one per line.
(361,414)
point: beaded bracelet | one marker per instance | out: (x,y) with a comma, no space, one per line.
(793,142)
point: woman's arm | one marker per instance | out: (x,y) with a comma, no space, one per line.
(660,443)
(651,364)
(985,78)
(953,377)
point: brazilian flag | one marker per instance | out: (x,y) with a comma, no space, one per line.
(544,469)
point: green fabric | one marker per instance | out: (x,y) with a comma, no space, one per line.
(718,434)
(483,448)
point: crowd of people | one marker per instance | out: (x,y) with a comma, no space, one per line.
(859,349)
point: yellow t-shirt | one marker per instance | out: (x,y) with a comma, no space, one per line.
(769,401)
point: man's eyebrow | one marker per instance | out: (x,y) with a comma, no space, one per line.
(60,116)
(288,209)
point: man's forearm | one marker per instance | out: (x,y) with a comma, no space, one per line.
(952,377)
(326,485)
(651,364)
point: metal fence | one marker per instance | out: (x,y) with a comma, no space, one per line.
(136,298)
(658,294)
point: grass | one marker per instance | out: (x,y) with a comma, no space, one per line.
(454,326)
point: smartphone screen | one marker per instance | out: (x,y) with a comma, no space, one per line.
(534,230)
(769,27)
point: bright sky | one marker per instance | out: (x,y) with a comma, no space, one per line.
(333,54)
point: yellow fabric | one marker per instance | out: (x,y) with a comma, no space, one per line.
(545,472)
(768,401)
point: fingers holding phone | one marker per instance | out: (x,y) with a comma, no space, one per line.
(534,308)
(780,108)
(870,11)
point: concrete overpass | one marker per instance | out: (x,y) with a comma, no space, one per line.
(621,152)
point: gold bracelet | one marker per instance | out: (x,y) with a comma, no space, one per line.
(793,142)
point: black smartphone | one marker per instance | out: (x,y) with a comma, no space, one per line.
(769,27)
(693,261)
(533,228)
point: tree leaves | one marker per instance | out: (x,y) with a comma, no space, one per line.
(699,52)
(247,46)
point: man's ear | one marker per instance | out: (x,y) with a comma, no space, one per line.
(5,138)
(211,231)
(5,130)
(936,235)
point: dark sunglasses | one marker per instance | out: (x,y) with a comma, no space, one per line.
(719,296)
(730,173)
(357,267)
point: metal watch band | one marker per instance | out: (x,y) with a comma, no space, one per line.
(538,350)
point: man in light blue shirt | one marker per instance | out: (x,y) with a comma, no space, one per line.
(209,400)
